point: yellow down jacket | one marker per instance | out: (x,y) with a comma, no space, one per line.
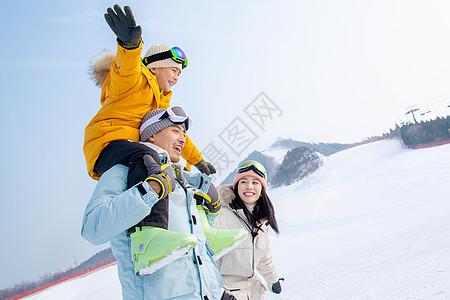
(129,91)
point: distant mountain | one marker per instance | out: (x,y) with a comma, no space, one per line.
(297,164)
(299,160)
(323,148)
(98,259)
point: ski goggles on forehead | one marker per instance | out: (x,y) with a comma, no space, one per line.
(175,114)
(255,166)
(174,53)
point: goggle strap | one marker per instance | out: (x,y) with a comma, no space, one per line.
(158,56)
(254,169)
(161,56)
(150,121)
(165,115)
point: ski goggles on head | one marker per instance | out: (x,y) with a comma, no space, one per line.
(175,53)
(254,166)
(174,113)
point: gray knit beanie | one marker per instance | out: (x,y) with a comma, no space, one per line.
(155,127)
(165,63)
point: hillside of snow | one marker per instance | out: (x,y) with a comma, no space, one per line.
(372,223)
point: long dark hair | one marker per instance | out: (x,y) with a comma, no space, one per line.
(263,209)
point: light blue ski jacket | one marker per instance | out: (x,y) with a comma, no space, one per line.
(113,209)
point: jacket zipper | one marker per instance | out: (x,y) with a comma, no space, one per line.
(253,241)
(196,257)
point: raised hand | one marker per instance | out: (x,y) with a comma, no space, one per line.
(124,26)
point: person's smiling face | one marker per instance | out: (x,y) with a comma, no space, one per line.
(166,77)
(249,189)
(171,139)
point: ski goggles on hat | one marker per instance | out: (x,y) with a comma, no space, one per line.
(254,166)
(174,53)
(174,113)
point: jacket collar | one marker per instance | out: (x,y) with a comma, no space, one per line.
(163,154)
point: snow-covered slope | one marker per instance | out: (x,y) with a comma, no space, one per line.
(101,284)
(373,223)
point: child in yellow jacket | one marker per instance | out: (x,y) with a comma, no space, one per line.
(131,88)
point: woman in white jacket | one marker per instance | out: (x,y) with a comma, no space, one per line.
(245,204)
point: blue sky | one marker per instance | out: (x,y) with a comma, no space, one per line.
(339,71)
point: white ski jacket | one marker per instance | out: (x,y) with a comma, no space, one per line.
(239,266)
(113,209)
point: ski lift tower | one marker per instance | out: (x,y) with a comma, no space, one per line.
(411,110)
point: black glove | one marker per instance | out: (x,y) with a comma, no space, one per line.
(210,201)
(124,26)
(226,296)
(205,167)
(276,287)
(164,175)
